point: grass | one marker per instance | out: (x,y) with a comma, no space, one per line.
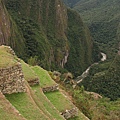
(6,59)
(59,101)
(29,74)
(6,115)
(62,104)
(24,104)
(33,105)
(45,79)
(47,104)
(6,112)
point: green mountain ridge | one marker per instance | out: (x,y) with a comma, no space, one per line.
(103,19)
(105,79)
(42,29)
(46,33)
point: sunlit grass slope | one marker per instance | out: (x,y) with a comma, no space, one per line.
(7,112)
(26,106)
(58,99)
(45,79)
(29,74)
(40,99)
(6,59)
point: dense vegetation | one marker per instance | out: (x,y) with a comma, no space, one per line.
(49,36)
(79,53)
(105,79)
(39,38)
(94,108)
(103,18)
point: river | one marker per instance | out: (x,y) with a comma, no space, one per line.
(104,56)
(86,72)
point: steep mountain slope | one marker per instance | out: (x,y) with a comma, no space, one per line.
(7,111)
(103,18)
(49,105)
(9,32)
(33,103)
(100,9)
(82,55)
(45,29)
(105,79)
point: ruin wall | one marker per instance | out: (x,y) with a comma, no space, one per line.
(12,79)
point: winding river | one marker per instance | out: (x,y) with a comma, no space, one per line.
(86,72)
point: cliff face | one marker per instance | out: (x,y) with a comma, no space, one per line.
(47,31)
(9,33)
(50,13)
(4,24)
(81,45)
(50,17)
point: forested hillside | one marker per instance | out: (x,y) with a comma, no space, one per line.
(103,19)
(104,79)
(9,31)
(45,33)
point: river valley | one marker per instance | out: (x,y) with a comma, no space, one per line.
(86,72)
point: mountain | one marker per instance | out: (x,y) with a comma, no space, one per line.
(29,93)
(105,79)
(9,32)
(44,31)
(103,18)
(48,34)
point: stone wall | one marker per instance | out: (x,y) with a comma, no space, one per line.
(12,79)
(9,50)
(51,88)
(34,82)
(70,113)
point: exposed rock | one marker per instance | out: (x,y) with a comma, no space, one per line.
(4,24)
(12,79)
(34,82)
(9,49)
(70,113)
(94,95)
(51,88)
(56,73)
(119,49)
